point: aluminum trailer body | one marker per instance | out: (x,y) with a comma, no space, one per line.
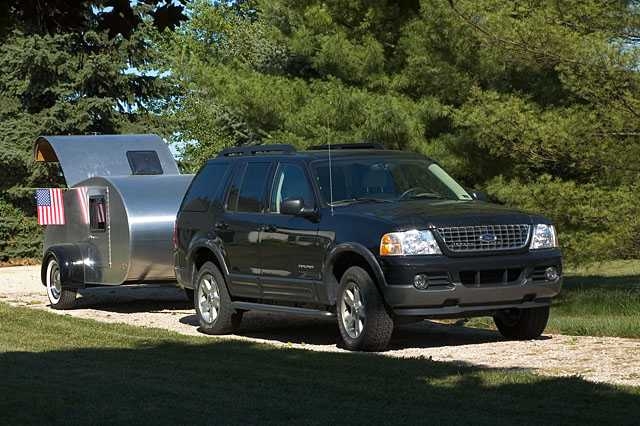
(123,195)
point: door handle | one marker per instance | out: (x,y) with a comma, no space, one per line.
(221,226)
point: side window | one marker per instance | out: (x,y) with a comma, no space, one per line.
(234,189)
(97,213)
(248,194)
(290,182)
(205,187)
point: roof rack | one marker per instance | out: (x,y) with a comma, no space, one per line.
(256,150)
(364,145)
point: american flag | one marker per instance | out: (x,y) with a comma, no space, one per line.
(50,206)
(81,192)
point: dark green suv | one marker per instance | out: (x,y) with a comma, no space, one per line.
(371,236)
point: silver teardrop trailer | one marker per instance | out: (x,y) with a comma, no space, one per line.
(123,194)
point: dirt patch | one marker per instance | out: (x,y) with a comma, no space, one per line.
(19,262)
(600,359)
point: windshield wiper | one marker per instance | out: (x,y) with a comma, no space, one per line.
(361,200)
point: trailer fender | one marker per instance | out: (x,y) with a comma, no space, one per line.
(71,263)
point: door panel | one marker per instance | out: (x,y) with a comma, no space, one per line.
(291,258)
(240,235)
(241,225)
(290,250)
(95,202)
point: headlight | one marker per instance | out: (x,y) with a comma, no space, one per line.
(408,243)
(544,236)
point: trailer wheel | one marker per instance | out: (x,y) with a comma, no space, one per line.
(212,302)
(60,298)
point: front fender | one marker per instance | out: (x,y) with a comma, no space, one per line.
(329,280)
(70,261)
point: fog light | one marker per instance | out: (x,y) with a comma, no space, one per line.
(551,274)
(421,281)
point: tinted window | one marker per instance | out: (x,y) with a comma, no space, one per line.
(290,182)
(144,163)
(250,195)
(97,213)
(234,190)
(205,187)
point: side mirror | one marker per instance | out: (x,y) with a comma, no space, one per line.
(479,195)
(295,207)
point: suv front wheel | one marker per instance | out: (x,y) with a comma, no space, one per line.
(522,324)
(363,319)
(212,302)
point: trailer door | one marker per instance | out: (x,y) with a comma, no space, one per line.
(99,239)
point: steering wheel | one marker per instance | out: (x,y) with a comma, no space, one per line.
(410,191)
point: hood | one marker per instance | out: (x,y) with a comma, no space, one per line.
(434,213)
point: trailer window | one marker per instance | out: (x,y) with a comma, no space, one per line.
(97,213)
(144,163)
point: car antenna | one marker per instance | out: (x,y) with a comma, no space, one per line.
(330,177)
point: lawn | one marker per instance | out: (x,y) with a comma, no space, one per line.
(58,369)
(602,299)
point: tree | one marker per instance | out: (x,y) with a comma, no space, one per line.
(538,101)
(70,69)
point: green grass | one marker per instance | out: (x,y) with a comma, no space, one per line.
(602,299)
(58,369)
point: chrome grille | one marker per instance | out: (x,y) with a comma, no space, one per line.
(464,239)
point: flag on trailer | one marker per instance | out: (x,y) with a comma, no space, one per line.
(50,206)
(84,203)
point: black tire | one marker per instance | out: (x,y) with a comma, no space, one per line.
(190,294)
(522,324)
(226,319)
(376,324)
(59,298)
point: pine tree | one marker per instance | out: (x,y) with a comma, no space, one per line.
(70,68)
(538,101)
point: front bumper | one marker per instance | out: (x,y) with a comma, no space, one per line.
(470,286)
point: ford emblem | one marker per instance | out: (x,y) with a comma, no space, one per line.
(488,238)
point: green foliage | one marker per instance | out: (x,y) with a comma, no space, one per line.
(538,102)
(66,76)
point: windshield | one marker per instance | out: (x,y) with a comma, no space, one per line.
(385,180)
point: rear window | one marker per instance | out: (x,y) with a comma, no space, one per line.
(205,187)
(144,163)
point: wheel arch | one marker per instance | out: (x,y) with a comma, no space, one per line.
(343,256)
(202,253)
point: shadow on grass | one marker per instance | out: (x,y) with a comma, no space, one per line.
(222,382)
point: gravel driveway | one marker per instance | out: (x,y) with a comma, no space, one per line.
(601,359)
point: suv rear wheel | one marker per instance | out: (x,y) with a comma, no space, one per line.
(363,319)
(212,302)
(522,324)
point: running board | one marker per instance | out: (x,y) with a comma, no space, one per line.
(282,309)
